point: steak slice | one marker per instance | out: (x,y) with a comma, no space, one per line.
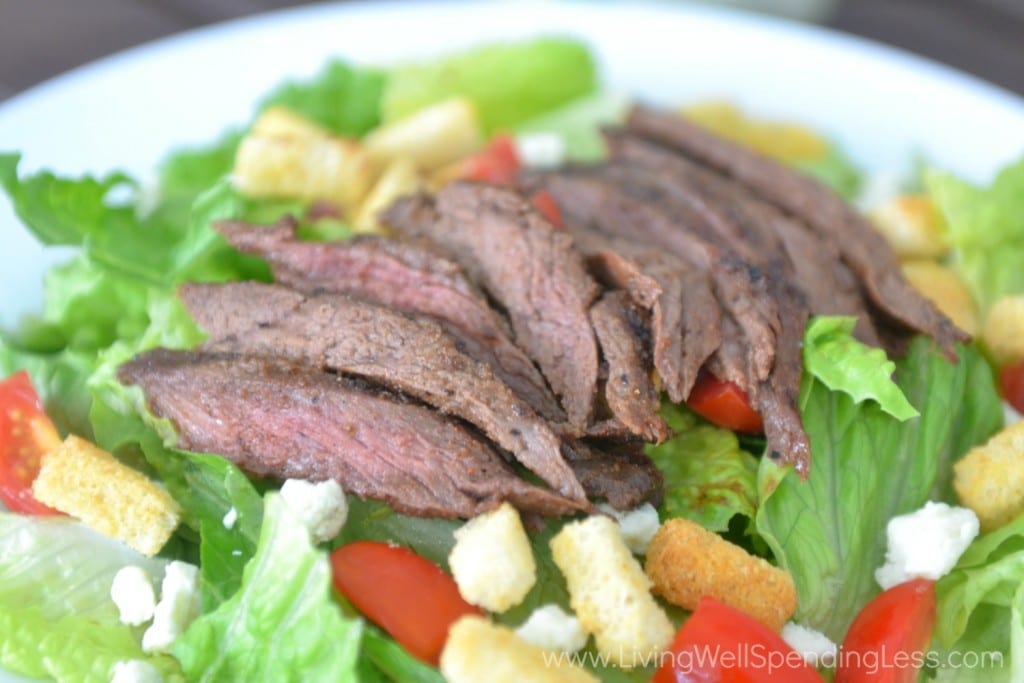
(628,391)
(414,278)
(862,248)
(414,356)
(280,420)
(530,268)
(626,478)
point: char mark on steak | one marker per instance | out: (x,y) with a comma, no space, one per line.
(529,267)
(862,248)
(628,390)
(411,355)
(410,276)
(277,419)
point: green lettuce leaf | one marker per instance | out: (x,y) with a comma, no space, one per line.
(836,170)
(509,83)
(393,662)
(283,624)
(867,466)
(841,363)
(579,123)
(985,229)
(708,477)
(56,616)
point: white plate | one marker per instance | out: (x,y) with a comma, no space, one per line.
(128,110)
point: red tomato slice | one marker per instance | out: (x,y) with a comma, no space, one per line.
(405,594)
(886,643)
(724,404)
(545,203)
(1011,379)
(498,163)
(721,644)
(26,435)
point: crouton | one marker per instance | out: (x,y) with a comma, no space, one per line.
(912,226)
(431,138)
(398,179)
(477,650)
(990,478)
(610,593)
(686,562)
(86,482)
(287,157)
(1004,330)
(946,290)
(492,562)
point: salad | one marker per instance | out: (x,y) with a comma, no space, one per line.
(173,562)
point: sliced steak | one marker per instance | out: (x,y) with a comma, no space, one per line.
(280,420)
(862,248)
(527,266)
(411,277)
(626,477)
(414,356)
(628,390)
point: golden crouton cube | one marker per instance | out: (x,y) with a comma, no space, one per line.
(430,138)
(912,226)
(1004,330)
(686,562)
(399,179)
(610,593)
(492,561)
(946,290)
(295,161)
(990,478)
(477,650)
(86,482)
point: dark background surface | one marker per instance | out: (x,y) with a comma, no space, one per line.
(42,38)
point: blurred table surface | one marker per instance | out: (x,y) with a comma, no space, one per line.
(42,38)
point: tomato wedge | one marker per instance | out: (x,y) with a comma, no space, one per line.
(26,435)
(724,404)
(1011,380)
(498,163)
(721,644)
(545,203)
(405,594)
(886,643)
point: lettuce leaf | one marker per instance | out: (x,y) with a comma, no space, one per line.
(708,477)
(56,616)
(283,624)
(842,363)
(836,170)
(579,123)
(985,230)
(867,466)
(509,83)
(342,98)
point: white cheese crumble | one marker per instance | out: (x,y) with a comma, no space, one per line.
(320,506)
(637,526)
(551,628)
(1010,415)
(230,517)
(926,543)
(136,671)
(179,605)
(132,592)
(540,150)
(814,646)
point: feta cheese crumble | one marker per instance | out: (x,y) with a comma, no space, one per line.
(230,517)
(926,543)
(132,592)
(320,506)
(136,671)
(814,646)
(540,150)
(636,526)
(551,628)
(178,607)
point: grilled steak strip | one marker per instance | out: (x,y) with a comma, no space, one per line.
(280,420)
(414,356)
(530,268)
(862,248)
(410,277)
(628,391)
(625,478)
